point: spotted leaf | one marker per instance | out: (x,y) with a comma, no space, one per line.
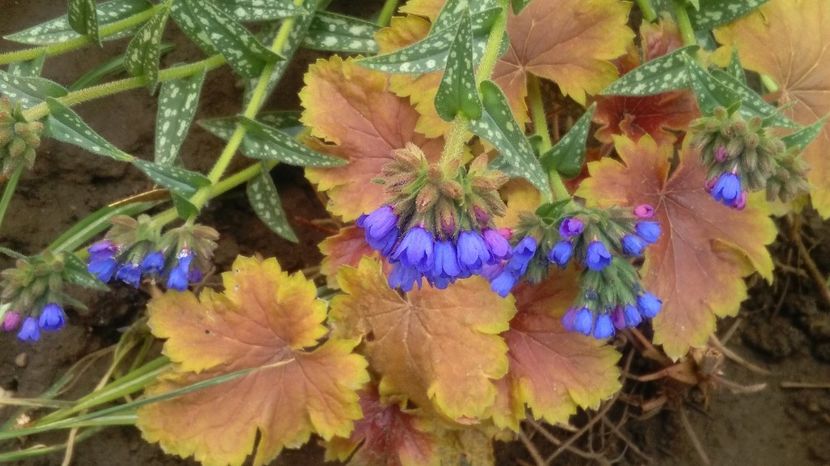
(177,104)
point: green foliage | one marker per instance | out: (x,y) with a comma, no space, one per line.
(67,126)
(457,93)
(83,18)
(568,155)
(177,104)
(265,200)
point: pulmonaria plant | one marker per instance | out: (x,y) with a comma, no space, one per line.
(19,138)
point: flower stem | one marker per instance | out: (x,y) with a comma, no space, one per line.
(684,23)
(540,125)
(78,42)
(386,13)
(647,9)
(8,191)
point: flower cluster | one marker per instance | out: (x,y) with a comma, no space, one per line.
(51,318)
(18,138)
(743,155)
(438,224)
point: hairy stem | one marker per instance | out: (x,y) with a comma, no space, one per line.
(8,191)
(540,125)
(386,12)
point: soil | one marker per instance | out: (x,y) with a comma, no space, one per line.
(785,327)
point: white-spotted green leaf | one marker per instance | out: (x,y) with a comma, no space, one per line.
(287,121)
(452,10)
(568,155)
(265,200)
(184,208)
(75,272)
(457,92)
(66,126)
(216,32)
(108,68)
(31,68)
(29,90)
(259,10)
(430,54)
(751,104)
(735,69)
(519,5)
(83,18)
(498,127)
(58,30)
(266,143)
(709,92)
(804,136)
(178,180)
(330,32)
(144,51)
(713,13)
(663,74)
(177,105)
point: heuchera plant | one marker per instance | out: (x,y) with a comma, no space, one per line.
(519,188)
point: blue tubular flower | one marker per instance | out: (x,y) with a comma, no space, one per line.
(103,267)
(649,305)
(632,316)
(561,253)
(618,318)
(416,249)
(379,223)
(727,188)
(404,277)
(632,245)
(569,318)
(497,244)
(29,331)
(571,227)
(385,244)
(597,256)
(446,262)
(179,277)
(522,254)
(503,283)
(105,248)
(51,317)
(152,263)
(130,274)
(473,253)
(603,327)
(583,321)
(648,231)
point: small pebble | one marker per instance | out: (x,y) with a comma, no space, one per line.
(22,360)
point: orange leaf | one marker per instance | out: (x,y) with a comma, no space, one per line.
(570,42)
(552,371)
(697,266)
(436,347)
(347,247)
(264,317)
(352,109)
(788,40)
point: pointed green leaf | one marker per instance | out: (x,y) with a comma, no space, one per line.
(330,32)
(287,121)
(11,253)
(65,125)
(216,32)
(58,30)
(568,155)
(519,5)
(108,68)
(183,182)
(735,69)
(710,92)
(663,74)
(498,126)
(265,200)
(259,10)
(713,13)
(144,51)
(28,68)
(83,17)
(75,272)
(751,104)
(803,137)
(29,90)
(177,105)
(452,9)
(95,223)
(184,208)
(457,92)
(266,143)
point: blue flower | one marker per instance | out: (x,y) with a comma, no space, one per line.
(51,317)
(497,244)
(152,263)
(130,274)
(379,223)
(503,283)
(104,248)
(29,331)
(648,231)
(583,321)
(522,254)
(561,253)
(727,188)
(473,253)
(597,256)
(446,261)
(632,316)
(571,227)
(649,305)
(416,249)
(404,277)
(569,318)
(603,327)
(386,243)
(103,267)
(633,245)
(179,276)
(618,318)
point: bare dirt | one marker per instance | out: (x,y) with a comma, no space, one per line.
(785,327)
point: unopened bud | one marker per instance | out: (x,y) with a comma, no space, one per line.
(426,198)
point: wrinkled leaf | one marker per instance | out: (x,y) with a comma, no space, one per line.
(667,73)
(82,16)
(65,125)
(568,155)
(177,105)
(265,317)
(457,92)
(28,90)
(697,266)
(436,347)
(330,32)
(265,200)
(144,51)
(182,182)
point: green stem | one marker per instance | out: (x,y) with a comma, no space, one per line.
(8,191)
(541,129)
(769,83)
(684,23)
(386,13)
(647,9)
(78,42)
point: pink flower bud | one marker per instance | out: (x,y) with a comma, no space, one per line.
(11,321)
(644,211)
(740,202)
(711,184)
(721,154)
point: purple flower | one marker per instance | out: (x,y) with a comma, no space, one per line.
(11,321)
(632,316)
(440,283)
(51,317)
(103,267)
(561,253)
(569,318)
(522,254)
(571,227)
(497,244)
(29,331)
(503,283)
(385,244)
(130,274)
(618,318)
(648,231)
(644,211)
(649,305)
(727,189)
(603,327)
(404,277)
(491,271)
(473,253)
(721,154)
(152,263)
(446,262)
(740,202)
(583,321)
(416,249)
(179,276)
(597,256)
(379,223)
(104,247)
(633,245)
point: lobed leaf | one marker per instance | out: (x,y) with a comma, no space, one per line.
(347,247)
(177,104)
(265,320)
(29,90)
(568,155)
(144,50)
(66,126)
(457,93)
(697,266)
(330,32)
(83,18)
(265,200)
